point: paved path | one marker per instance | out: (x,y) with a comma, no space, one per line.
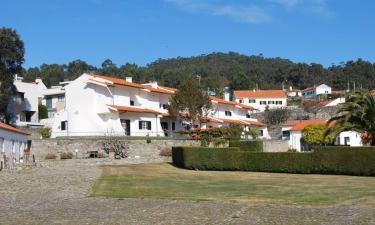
(56,193)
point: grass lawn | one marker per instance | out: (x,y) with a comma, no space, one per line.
(164,181)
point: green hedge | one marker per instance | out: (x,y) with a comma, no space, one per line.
(350,161)
(252,146)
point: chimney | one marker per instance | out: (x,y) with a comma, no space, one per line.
(290,88)
(129,79)
(226,96)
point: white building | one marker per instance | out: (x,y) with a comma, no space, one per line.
(13,142)
(225,112)
(292,131)
(24,104)
(54,100)
(261,99)
(291,92)
(312,92)
(100,105)
(349,138)
(97,105)
(332,102)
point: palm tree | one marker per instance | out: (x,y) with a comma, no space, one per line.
(356,114)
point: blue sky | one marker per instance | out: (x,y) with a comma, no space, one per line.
(141,31)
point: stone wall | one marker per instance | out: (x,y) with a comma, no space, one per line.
(136,148)
(275,146)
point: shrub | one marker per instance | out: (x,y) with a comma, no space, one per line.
(324,160)
(165,151)
(314,135)
(252,146)
(42,111)
(50,155)
(45,132)
(276,116)
(66,155)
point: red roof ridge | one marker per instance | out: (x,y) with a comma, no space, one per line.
(260,93)
(134,109)
(13,129)
(223,101)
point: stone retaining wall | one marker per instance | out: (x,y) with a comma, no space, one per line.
(275,146)
(137,148)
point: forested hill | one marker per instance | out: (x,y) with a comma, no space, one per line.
(218,70)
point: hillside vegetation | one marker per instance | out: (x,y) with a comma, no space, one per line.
(218,70)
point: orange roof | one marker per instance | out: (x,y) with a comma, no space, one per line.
(123,82)
(222,101)
(134,109)
(255,123)
(234,121)
(12,129)
(259,94)
(310,88)
(299,125)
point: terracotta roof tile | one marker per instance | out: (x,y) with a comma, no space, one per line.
(12,129)
(299,125)
(222,101)
(123,82)
(259,94)
(133,109)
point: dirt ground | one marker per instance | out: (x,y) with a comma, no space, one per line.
(56,192)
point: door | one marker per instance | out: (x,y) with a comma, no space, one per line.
(164,126)
(126,125)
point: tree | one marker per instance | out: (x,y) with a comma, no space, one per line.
(11,59)
(42,111)
(276,116)
(78,67)
(356,114)
(314,135)
(191,102)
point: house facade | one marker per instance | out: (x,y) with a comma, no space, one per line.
(225,112)
(292,131)
(314,91)
(112,106)
(261,99)
(13,142)
(24,104)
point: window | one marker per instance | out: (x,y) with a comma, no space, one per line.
(64,125)
(2,145)
(261,133)
(164,106)
(173,126)
(61,98)
(49,103)
(280,102)
(131,102)
(286,135)
(251,100)
(144,125)
(241,101)
(346,140)
(247,115)
(228,113)
(263,102)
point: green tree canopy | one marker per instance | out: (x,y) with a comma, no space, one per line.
(356,114)
(191,101)
(314,135)
(42,111)
(11,59)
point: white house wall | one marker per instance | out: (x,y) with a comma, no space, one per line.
(12,144)
(262,107)
(354,139)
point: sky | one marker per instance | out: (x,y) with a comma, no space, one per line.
(141,31)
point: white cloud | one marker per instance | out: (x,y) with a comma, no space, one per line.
(246,14)
(257,12)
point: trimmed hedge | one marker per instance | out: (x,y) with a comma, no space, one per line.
(252,146)
(332,160)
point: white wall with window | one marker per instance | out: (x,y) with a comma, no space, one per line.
(11,142)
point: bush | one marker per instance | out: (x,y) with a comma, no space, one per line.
(165,151)
(50,155)
(324,160)
(42,111)
(66,155)
(252,146)
(45,132)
